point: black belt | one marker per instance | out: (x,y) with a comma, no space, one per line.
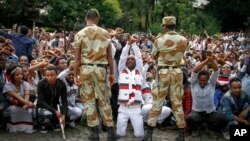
(98,65)
(167,67)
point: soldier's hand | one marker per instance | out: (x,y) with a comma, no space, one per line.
(111,79)
(77,81)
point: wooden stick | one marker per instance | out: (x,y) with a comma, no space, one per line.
(60,120)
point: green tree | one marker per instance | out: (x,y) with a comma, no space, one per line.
(231,14)
(18,10)
(190,20)
(71,10)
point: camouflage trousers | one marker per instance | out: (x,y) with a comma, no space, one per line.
(94,87)
(169,85)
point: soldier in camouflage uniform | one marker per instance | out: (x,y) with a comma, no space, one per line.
(168,51)
(92,55)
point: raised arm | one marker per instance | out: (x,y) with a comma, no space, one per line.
(200,66)
(63,74)
(138,57)
(34,67)
(123,58)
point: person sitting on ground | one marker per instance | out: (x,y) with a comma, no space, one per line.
(235,104)
(221,88)
(23,60)
(51,93)
(18,92)
(74,112)
(203,109)
(227,70)
(60,64)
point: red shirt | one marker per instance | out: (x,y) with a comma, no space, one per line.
(187,102)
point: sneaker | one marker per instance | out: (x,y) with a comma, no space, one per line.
(57,128)
(43,129)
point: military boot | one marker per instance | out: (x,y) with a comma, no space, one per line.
(181,136)
(111,134)
(94,134)
(148,136)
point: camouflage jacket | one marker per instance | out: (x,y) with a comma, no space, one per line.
(169,49)
(93,41)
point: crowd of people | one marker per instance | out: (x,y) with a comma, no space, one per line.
(111,77)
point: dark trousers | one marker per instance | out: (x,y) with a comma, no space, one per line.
(2,121)
(45,117)
(114,100)
(215,121)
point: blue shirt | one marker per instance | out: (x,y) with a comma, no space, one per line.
(22,44)
(217,97)
(245,79)
(229,107)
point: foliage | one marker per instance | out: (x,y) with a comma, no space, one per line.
(190,20)
(231,14)
(59,12)
(110,12)
(247,23)
(132,15)
(208,23)
(155,28)
(78,8)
